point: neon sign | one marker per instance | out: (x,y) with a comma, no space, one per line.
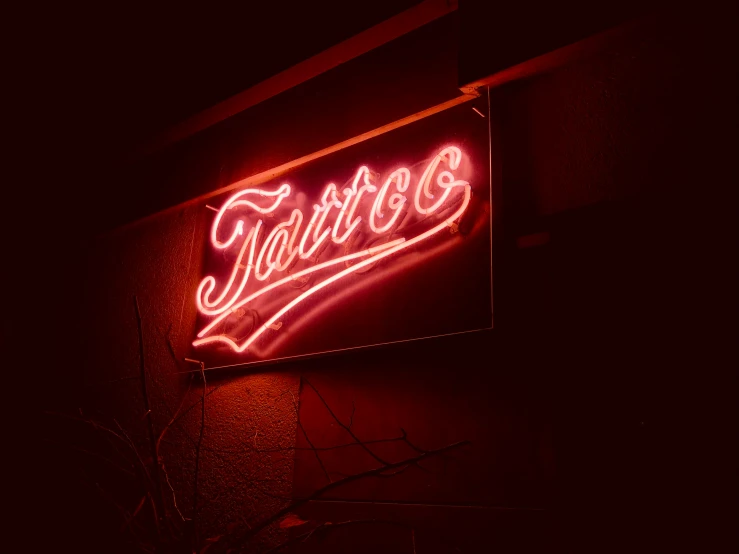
(272,248)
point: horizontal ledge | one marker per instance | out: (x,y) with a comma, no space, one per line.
(273,173)
(401,503)
(556,58)
(299,357)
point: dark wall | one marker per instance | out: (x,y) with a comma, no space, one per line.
(496,36)
(598,408)
(626,161)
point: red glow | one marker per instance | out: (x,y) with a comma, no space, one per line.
(401,178)
(282,240)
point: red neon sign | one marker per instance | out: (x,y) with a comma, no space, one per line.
(350,229)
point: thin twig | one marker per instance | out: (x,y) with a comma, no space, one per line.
(145,472)
(94,454)
(150,424)
(218,452)
(168,341)
(305,434)
(346,427)
(315,451)
(396,472)
(174,498)
(195,404)
(174,417)
(189,263)
(409,443)
(336,484)
(109,498)
(129,520)
(100,427)
(303,448)
(125,439)
(197,456)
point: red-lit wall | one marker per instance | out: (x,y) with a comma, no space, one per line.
(576,405)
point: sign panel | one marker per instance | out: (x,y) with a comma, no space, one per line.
(388,240)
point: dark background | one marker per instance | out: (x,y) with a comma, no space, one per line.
(606,396)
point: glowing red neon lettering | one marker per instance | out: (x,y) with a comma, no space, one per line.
(279,252)
(349,193)
(401,178)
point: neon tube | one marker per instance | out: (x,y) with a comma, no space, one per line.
(453,156)
(297,275)
(402,178)
(322,209)
(389,251)
(280,235)
(271,241)
(207,311)
(362,173)
(234,202)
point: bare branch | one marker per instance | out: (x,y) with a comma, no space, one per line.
(197,456)
(150,424)
(174,417)
(409,443)
(305,434)
(124,438)
(195,404)
(94,454)
(145,473)
(345,427)
(170,348)
(128,520)
(100,427)
(336,484)
(174,497)
(304,448)
(396,472)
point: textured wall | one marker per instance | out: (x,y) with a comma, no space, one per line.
(574,404)
(158,262)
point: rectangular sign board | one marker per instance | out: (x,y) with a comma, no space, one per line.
(388,240)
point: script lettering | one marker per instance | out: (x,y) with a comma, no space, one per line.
(346,231)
